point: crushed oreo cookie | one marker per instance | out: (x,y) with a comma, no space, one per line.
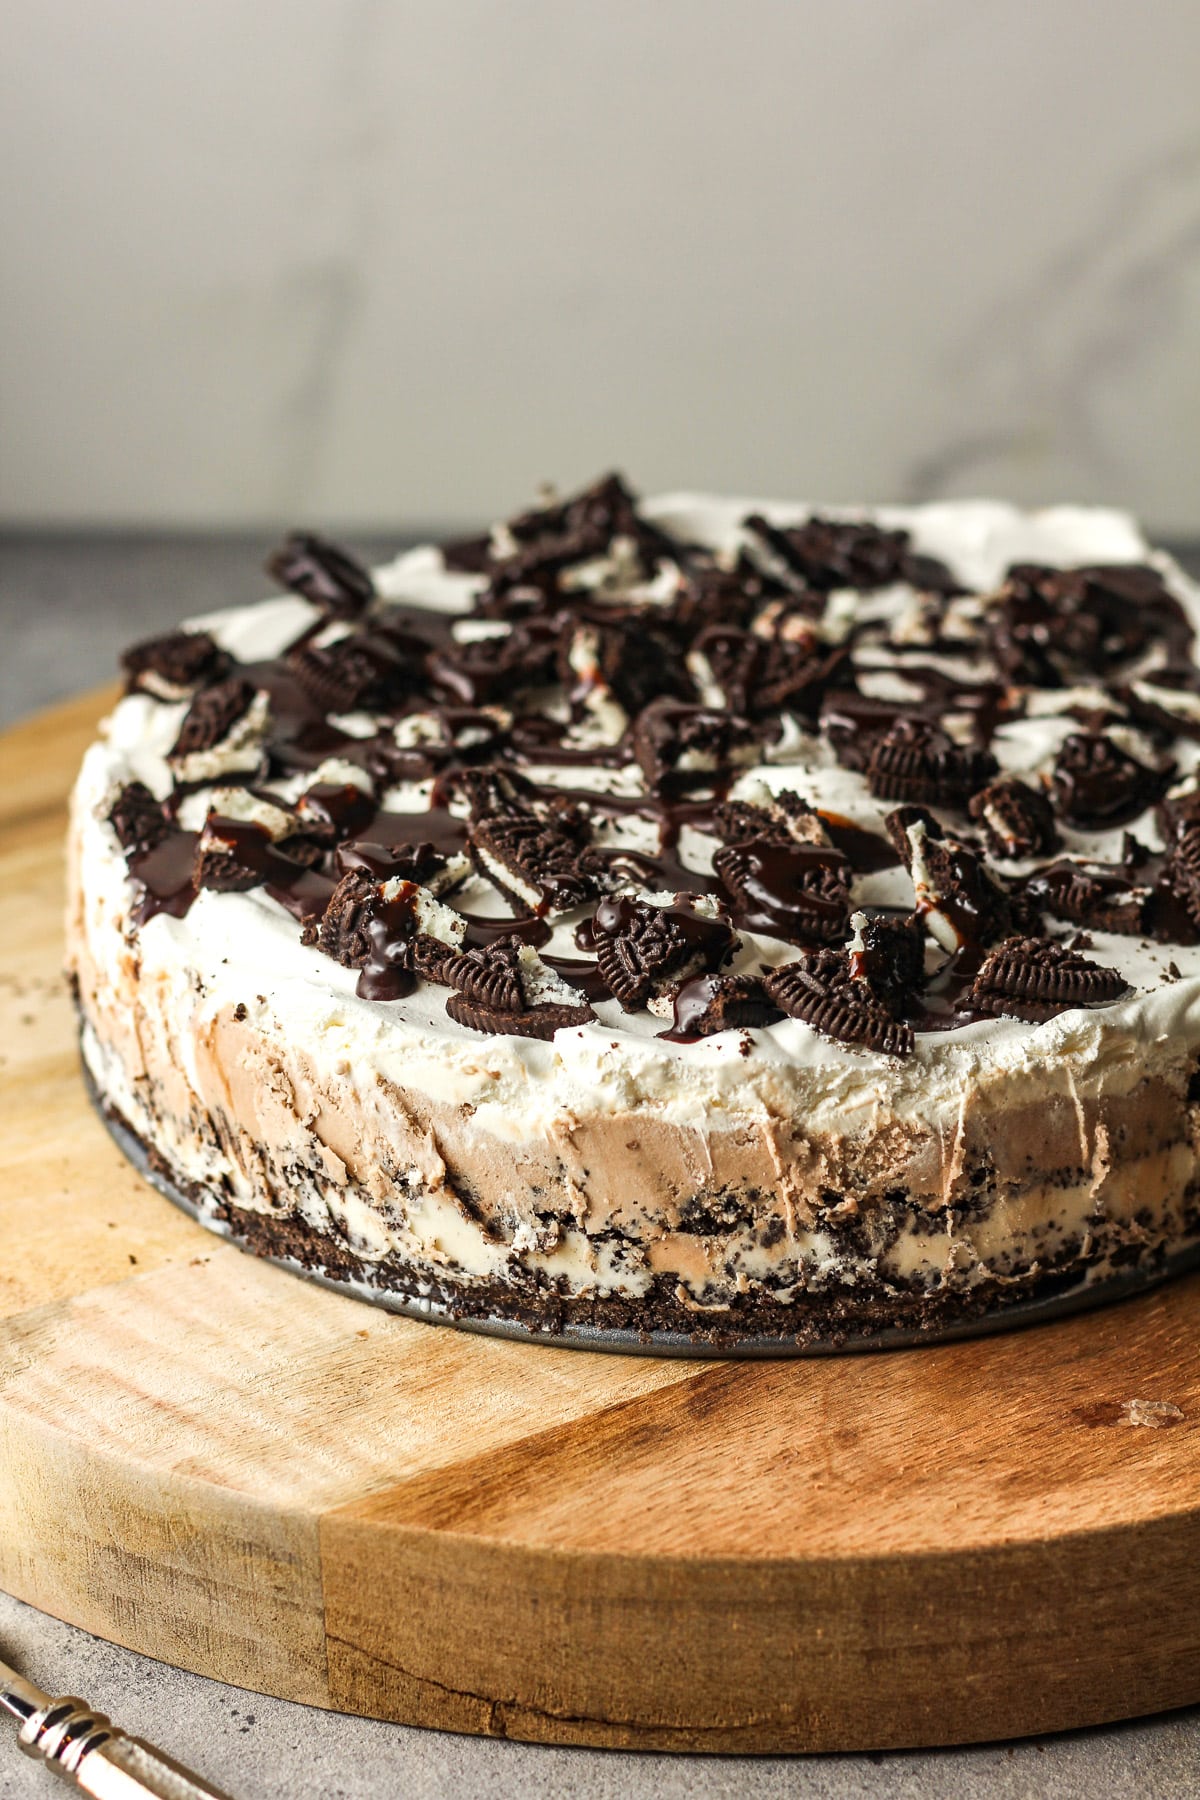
(1098,784)
(889,956)
(783,818)
(1098,896)
(212,715)
(844,553)
(504,988)
(961,901)
(1018,820)
(916,762)
(682,747)
(821,989)
(357,672)
(540,859)
(322,573)
(169,666)
(137,818)
(1034,979)
(599,639)
(798,892)
(644,949)
(708,1004)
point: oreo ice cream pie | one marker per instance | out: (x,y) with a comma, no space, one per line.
(692,916)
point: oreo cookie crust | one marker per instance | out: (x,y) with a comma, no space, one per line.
(692,914)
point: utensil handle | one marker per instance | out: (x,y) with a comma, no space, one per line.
(84,1748)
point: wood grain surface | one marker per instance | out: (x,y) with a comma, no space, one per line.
(216,1463)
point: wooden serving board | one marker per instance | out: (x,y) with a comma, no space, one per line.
(216,1463)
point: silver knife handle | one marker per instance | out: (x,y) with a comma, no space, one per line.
(85,1749)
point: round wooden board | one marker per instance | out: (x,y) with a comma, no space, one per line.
(218,1464)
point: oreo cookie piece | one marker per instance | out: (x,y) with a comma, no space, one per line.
(646,949)
(468,555)
(356,671)
(212,715)
(820,988)
(322,573)
(386,927)
(760,675)
(531,1022)
(916,762)
(1018,820)
(505,988)
(723,598)
(440,871)
(138,819)
(782,818)
(1098,784)
(959,899)
(1098,896)
(1181,875)
(221,733)
(708,1004)
(233,856)
(169,667)
(851,553)
(889,955)
(538,859)
(683,746)
(630,661)
(796,891)
(898,822)
(1034,979)
(1048,626)
(489,669)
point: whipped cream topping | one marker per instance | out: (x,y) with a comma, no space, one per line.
(241,948)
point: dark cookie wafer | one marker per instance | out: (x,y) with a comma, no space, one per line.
(1098,784)
(138,819)
(1182,872)
(353,672)
(897,824)
(218,863)
(820,989)
(1018,820)
(1033,979)
(535,860)
(1100,896)
(212,715)
(686,746)
(179,660)
(634,662)
(710,1003)
(916,762)
(852,553)
(796,891)
(1049,626)
(956,891)
(531,1021)
(489,976)
(892,959)
(643,949)
(494,992)
(341,932)
(322,573)
(496,668)
(784,819)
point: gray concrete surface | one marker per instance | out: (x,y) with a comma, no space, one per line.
(66,606)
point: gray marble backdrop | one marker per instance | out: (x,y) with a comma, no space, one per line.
(385,262)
